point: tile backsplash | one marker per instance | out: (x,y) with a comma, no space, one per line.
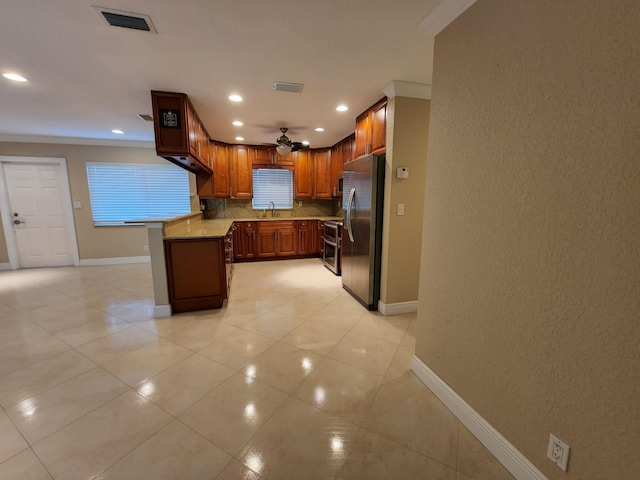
(228,208)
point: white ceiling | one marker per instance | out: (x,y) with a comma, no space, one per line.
(87,78)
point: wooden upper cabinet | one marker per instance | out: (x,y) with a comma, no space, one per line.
(180,136)
(303,174)
(371,130)
(263,156)
(341,153)
(268,157)
(241,172)
(322,169)
(221,170)
(280,161)
(336,168)
(363,134)
(348,148)
(379,127)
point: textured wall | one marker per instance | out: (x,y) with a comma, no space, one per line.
(93,242)
(241,208)
(530,276)
(407,132)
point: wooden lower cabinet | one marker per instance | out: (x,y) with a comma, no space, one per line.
(277,239)
(319,237)
(244,240)
(198,272)
(307,237)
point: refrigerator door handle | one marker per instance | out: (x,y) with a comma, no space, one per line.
(349,207)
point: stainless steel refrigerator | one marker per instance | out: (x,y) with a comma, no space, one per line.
(362,198)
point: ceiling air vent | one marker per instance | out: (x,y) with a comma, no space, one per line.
(133,21)
(144,116)
(288,87)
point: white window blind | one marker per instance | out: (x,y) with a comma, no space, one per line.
(272,185)
(121,192)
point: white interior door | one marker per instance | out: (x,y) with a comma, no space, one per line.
(37,202)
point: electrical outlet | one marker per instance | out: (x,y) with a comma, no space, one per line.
(401,209)
(146,248)
(558,452)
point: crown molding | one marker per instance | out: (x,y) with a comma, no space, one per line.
(399,88)
(75,141)
(441,16)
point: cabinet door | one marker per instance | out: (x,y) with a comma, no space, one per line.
(286,161)
(249,240)
(192,131)
(336,168)
(170,140)
(322,163)
(287,241)
(238,233)
(263,156)
(379,127)
(221,171)
(266,243)
(305,237)
(319,237)
(363,135)
(241,165)
(348,149)
(303,174)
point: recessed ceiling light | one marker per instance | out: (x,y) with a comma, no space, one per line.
(15,77)
(235,98)
(238,123)
(117,132)
(319,129)
(305,142)
(342,108)
(240,139)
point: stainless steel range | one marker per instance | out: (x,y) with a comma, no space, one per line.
(331,250)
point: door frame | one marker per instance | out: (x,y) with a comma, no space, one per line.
(67,207)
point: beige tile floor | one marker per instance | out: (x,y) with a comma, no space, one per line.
(293,379)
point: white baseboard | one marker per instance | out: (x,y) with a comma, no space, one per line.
(507,454)
(87,262)
(162,311)
(5,266)
(397,308)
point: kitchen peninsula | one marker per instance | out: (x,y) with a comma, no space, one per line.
(192,257)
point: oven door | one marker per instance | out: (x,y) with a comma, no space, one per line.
(331,231)
(331,255)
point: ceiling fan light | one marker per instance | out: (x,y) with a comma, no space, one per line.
(283,149)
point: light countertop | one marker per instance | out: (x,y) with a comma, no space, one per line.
(193,226)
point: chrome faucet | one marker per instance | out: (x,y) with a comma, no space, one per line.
(272,207)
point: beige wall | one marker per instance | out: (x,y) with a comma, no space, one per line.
(407,131)
(93,242)
(530,278)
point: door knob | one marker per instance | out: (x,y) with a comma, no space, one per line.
(17,222)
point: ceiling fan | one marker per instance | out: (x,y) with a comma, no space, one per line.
(284,145)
